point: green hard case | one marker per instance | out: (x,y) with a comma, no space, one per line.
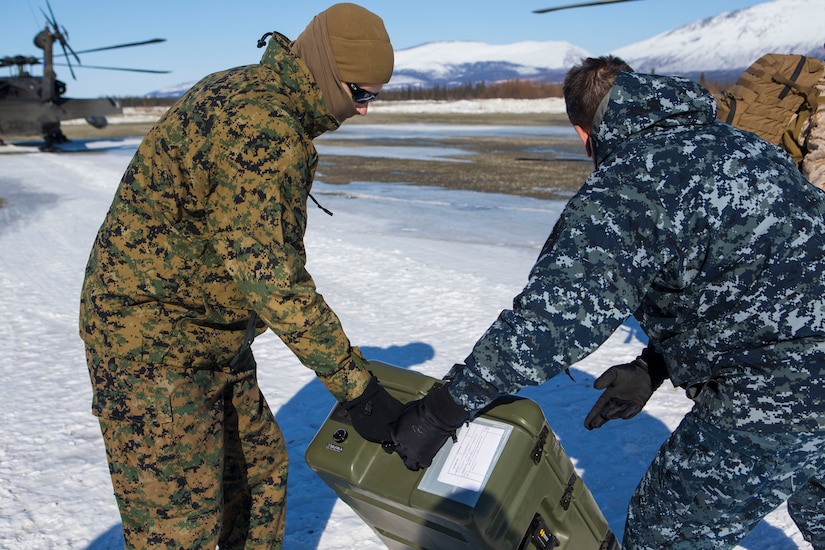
(515,489)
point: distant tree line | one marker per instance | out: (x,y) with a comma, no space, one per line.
(713,86)
(147,101)
(508,89)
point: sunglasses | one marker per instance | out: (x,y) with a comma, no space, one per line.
(360,95)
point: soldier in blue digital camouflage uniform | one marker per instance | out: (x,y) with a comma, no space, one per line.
(713,240)
(202,249)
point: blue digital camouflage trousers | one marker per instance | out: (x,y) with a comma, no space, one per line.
(196,457)
(708,487)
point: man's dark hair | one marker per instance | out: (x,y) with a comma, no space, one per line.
(586,85)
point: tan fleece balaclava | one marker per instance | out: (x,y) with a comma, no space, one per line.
(345,43)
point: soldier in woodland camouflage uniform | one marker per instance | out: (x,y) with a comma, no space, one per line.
(715,242)
(202,248)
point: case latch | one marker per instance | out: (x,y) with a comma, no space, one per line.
(567,497)
(535,454)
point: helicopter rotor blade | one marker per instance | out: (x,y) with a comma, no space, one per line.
(580,5)
(64,40)
(50,20)
(152,41)
(65,46)
(60,34)
(117,69)
(68,63)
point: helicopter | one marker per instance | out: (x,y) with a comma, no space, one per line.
(35,105)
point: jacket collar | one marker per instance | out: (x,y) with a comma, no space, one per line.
(640,103)
(298,86)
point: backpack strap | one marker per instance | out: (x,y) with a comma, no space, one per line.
(245,350)
(731,105)
(809,92)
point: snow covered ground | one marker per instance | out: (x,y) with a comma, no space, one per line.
(416,275)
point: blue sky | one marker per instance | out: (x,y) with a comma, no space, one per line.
(211,35)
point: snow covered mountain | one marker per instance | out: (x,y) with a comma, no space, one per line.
(719,48)
(455,63)
(461,62)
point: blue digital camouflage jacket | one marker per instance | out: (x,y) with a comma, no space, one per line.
(708,235)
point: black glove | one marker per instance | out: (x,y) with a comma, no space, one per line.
(629,386)
(373,412)
(425,425)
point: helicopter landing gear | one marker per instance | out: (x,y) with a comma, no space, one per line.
(52,135)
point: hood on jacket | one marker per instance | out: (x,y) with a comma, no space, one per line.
(298,84)
(639,103)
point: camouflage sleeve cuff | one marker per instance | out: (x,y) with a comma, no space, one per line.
(350,379)
(469,390)
(656,367)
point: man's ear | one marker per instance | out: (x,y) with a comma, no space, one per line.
(584,135)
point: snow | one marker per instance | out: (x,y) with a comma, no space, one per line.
(726,43)
(732,39)
(550,105)
(438,57)
(416,275)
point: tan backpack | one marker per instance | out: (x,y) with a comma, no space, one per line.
(774,98)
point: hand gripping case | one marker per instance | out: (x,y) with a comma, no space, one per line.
(506,484)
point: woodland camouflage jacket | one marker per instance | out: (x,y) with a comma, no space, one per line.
(709,235)
(208,223)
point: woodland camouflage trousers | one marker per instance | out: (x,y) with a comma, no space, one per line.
(196,457)
(708,487)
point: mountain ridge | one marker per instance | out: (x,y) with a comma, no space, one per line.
(717,48)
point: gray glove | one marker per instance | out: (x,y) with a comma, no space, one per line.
(627,388)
